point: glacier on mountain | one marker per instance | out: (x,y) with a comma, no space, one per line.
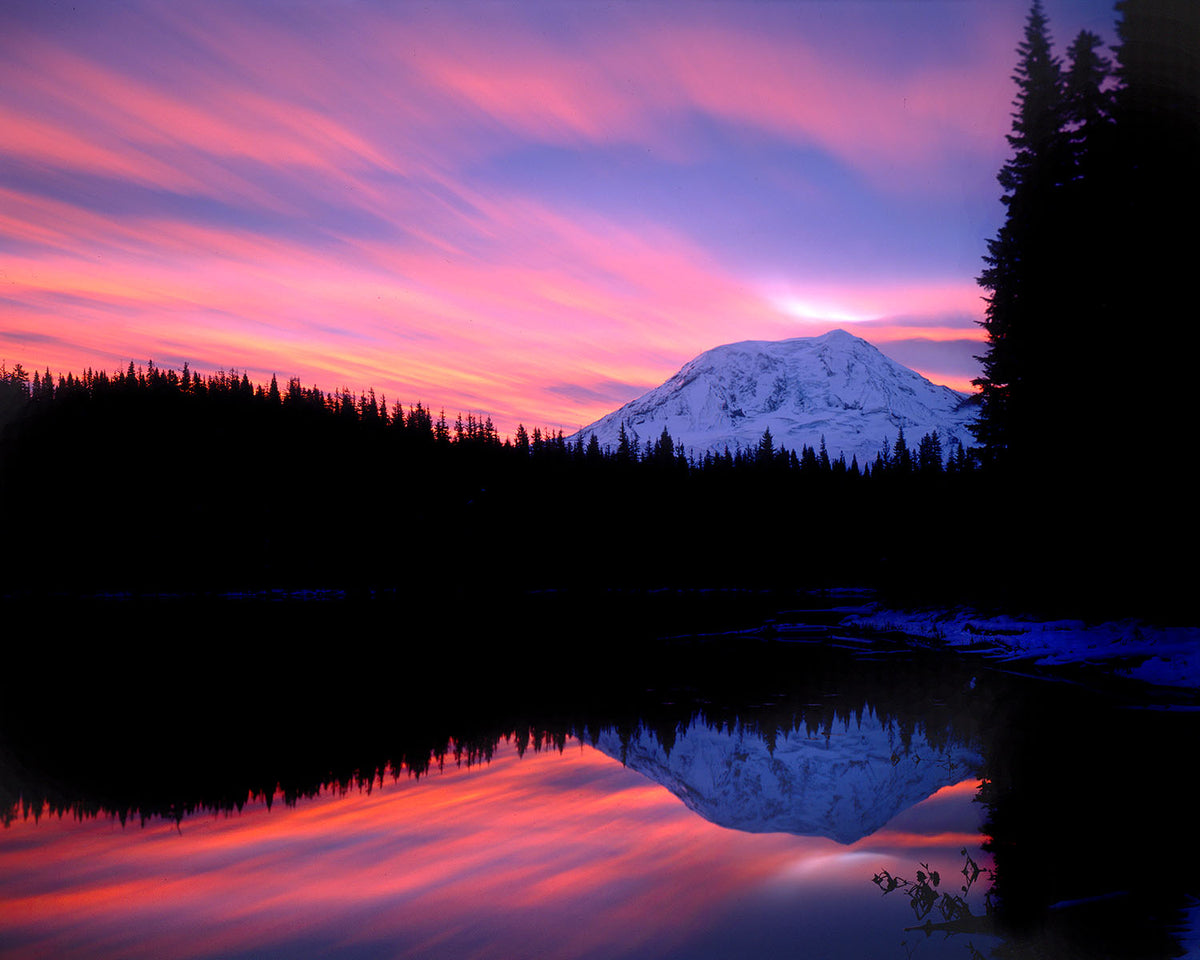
(836,386)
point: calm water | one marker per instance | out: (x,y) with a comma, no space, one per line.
(551,855)
(736,796)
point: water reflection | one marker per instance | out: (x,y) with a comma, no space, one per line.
(387,810)
(564,854)
(843,779)
(931,900)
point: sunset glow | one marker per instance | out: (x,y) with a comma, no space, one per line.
(573,849)
(531,211)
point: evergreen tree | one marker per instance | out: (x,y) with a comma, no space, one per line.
(1087,105)
(1155,210)
(1018,272)
(765,452)
(664,449)
(623,454)
(902,459)
(929,454)
(14,393)
(441,430)
(883,459)
(809,464)
(1080,301)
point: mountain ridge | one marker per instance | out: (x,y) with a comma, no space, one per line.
(843,782)
(835,386)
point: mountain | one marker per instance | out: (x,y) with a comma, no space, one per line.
(843,782)
(836,385)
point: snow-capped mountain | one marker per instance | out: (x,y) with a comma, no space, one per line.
(836,385)
(843,783)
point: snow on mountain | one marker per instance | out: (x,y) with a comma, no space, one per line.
(836,385)
(844,783)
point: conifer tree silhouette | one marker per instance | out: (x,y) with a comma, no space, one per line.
(1018,261)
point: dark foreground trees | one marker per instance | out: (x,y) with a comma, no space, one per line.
(148,480)
(151,481)
(1089,297)
(1020,259)
(1087,388)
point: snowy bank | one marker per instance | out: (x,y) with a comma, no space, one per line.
(1166,656)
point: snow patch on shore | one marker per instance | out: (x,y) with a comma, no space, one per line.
(1188,931)
(1165,656)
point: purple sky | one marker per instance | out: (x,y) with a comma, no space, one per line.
(531,211)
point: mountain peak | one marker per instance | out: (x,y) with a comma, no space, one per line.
(836,334)
(845,787)
(835,386)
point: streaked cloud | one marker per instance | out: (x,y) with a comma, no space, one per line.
(490,206)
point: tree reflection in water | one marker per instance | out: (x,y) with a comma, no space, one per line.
(191,731)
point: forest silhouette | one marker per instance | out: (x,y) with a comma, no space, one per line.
(149,479)
(1087,386)
(155,480)
(274,715)
(253,720)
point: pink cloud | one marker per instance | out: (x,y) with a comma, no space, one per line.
(456,295)
(625,77)
(619,80)
(570,300)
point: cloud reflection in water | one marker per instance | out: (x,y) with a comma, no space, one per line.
(552,855)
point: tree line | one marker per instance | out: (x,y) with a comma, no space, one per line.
(22,396)
(155,479)
(151,479)
(172,747)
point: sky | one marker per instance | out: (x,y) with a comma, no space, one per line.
(530,211)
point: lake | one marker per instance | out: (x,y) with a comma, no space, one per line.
(600,786)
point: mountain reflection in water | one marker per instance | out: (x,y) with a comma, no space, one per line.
(446,795)
(554,855)
(843,780)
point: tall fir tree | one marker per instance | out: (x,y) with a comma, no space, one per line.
(1091,339)
(765,451)
(1081,348)
(1087,105)
(1156,209)
(624,457)
(1019,262)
